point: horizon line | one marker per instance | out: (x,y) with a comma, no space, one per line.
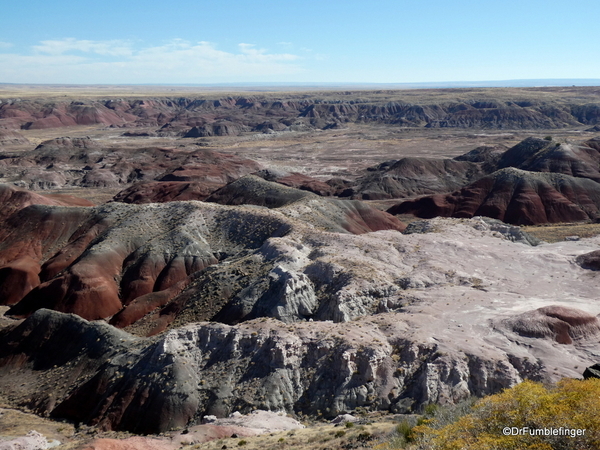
(526,82)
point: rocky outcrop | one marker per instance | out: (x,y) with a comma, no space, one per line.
(253,190)
(592,372)
(316,322)
(168,382)
(510,232)
(216,129)
(589,260)
(33,441)
(514,196)
(127,260)
(330,214)
(118,254)
(486,155)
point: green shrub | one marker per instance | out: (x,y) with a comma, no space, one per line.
(404,430)
(571,404)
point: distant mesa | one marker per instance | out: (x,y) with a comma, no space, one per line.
(514,196)
(200,117)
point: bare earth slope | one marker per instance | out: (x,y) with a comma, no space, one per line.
(514,196)
(450,306)
(408,177)
(84,162)
(96,261)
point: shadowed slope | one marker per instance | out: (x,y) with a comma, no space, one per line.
(514,196)
(541,155)
(408,177)
(330,214)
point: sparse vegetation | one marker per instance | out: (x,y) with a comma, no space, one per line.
(570,405)
(558,232)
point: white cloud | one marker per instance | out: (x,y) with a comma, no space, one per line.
(105,48)
(5,45)
(116,61)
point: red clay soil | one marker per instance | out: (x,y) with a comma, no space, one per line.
(560,323)
(26,234)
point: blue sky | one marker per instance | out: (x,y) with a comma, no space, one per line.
(227,41)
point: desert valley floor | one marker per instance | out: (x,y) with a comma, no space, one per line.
(170,258)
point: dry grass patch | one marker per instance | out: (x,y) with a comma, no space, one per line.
(311,438)
(559,232)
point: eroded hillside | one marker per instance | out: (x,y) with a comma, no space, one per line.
(234,259)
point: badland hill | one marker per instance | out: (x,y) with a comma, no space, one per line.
(181,257)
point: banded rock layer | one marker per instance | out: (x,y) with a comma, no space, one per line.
(514,196)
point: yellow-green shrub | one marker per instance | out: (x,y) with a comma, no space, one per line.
(571,404)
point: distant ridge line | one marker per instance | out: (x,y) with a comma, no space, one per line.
(524,83)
